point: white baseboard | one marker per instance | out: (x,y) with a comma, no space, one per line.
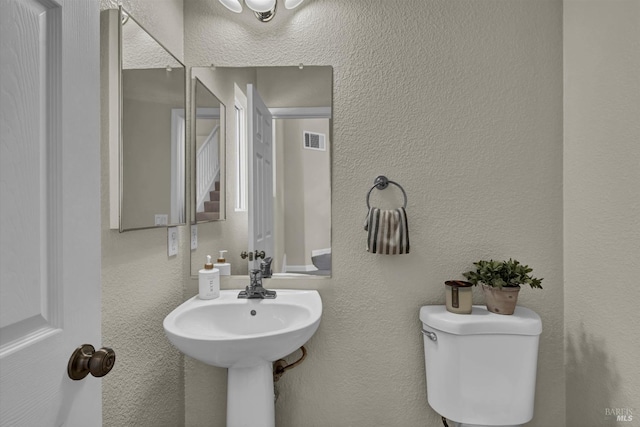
(300,268)
(317,252)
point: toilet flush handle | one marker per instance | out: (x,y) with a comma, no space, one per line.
(432,335)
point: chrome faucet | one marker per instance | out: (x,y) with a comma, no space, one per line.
(255,288)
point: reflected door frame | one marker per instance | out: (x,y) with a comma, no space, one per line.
(178,173)
(260,145)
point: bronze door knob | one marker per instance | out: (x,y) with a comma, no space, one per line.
(87,360)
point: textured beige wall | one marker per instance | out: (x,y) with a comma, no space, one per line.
(292,87)
(141,285)
(161,18)
(141,50)
(602,209)
(461,103)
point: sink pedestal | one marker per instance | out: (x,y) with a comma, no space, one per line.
(245,336)
(250,398)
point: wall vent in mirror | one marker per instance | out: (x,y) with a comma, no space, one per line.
(314,141)
(288,216)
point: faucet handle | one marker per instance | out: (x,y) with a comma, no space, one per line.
(251,255)
(255,277)
(265,267)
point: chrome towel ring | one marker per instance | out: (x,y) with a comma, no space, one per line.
(382,182)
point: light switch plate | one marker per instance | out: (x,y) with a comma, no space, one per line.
(172,241)
(194,236)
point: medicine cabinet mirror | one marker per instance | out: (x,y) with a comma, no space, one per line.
(152,149)
(277,171)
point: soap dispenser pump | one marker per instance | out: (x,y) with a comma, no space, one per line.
(222,264)
(209,281)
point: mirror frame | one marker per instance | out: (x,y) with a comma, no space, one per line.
(122,12)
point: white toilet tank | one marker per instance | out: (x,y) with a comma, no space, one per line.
(481,367)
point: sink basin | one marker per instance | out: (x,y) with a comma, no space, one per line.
(246,336)
(231,332)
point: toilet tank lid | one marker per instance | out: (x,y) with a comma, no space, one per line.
(522,322)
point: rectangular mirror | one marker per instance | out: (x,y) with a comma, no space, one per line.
(152,131)
(278,170)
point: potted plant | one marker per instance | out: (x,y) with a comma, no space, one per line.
(501,282)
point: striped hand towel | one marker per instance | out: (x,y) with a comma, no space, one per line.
(387,231)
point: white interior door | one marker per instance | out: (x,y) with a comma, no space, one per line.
(49,209)
(260,174)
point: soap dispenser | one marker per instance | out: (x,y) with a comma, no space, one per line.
(223,265)
(209,281)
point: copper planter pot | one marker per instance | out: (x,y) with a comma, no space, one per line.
(500,301)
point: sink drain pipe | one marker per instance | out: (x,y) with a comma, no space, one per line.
(280,366)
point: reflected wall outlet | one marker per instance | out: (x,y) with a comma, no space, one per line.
(161,219)
(172,241)
(194,236)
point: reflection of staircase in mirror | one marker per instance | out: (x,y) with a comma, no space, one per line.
(208,173)
(212,206)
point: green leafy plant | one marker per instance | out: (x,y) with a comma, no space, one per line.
(502,274)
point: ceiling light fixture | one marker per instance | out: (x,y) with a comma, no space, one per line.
(264,10)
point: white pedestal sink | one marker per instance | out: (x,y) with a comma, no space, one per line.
(246,336)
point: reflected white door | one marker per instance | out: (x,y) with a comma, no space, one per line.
(49,209)
(260,174)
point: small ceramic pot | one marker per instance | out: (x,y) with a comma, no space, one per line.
(500,300)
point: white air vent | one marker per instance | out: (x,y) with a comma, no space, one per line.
(314,141)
